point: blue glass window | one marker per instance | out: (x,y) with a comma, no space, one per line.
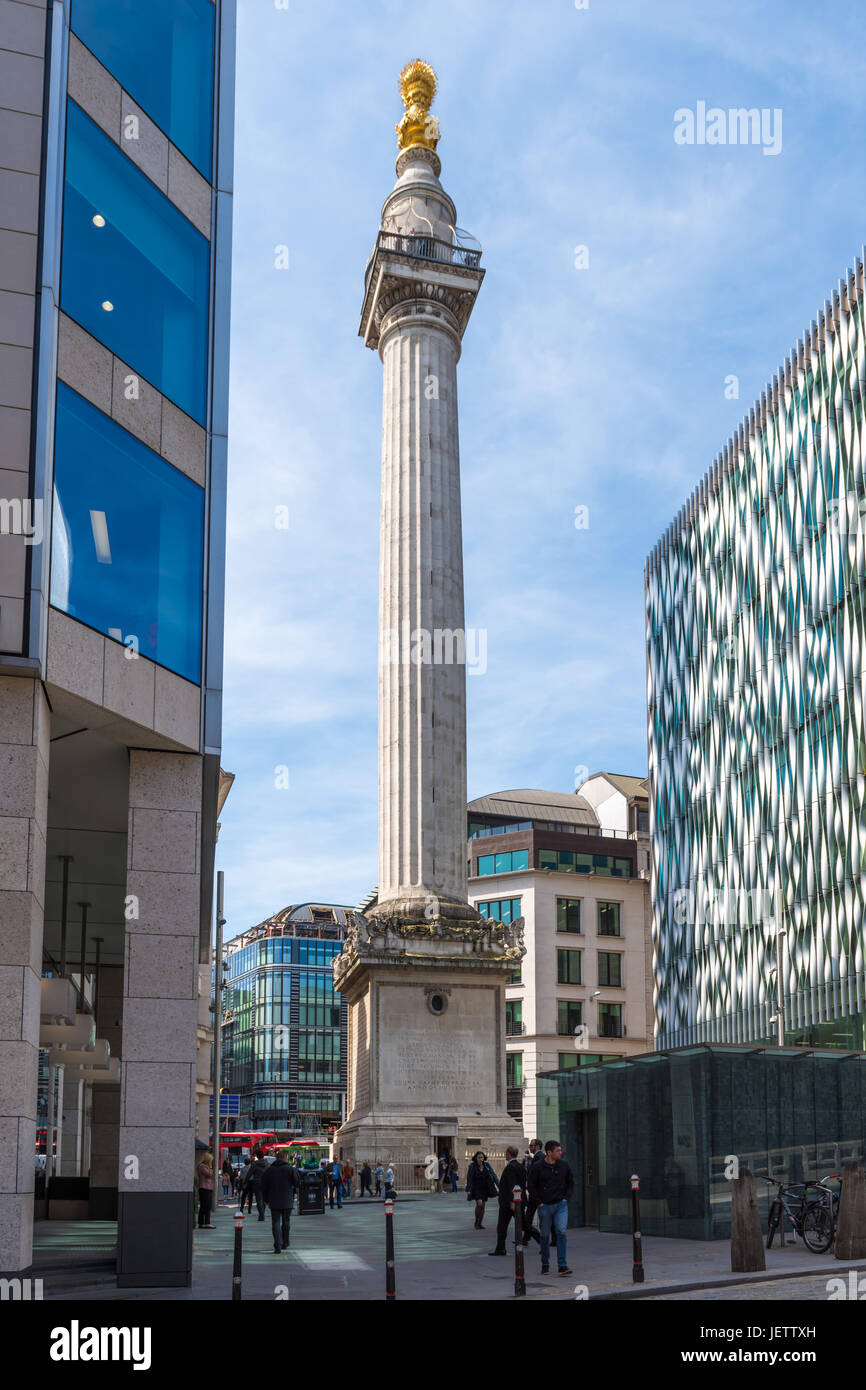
(503,910)
(127,542)
(162,53)
(503,863)
(135,271)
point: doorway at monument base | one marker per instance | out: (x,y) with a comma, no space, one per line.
(426,1042)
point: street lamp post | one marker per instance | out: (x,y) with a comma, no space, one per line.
(217,1022)
(781,932)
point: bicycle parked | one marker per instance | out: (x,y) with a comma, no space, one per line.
(812,1217)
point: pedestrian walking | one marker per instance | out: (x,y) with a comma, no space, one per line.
(258,1168)
(390,1189)
(242,1179)
(205,1192)
(278,1190)
(453,1173)
(513,1175)
(551,1183)
(226,1177)
(245,1187)
(380,1174)
(442,1179)
(348,1174)
(335,1186)
(536,1155)
(366,1178)
(480,1185)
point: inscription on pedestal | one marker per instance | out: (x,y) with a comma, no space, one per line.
(432,1061)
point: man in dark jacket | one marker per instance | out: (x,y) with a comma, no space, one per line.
(551,1183)
(278,1190)
(258,1168)
(245,1186)
(536,1155)
(513,1175)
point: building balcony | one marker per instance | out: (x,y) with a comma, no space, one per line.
(514,1101)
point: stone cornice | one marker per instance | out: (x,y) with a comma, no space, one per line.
(395,278)
(456,938)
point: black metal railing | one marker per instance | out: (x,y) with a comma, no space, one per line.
(429,248)
(514,1101)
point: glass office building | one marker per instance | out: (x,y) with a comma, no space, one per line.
(284,1025)
(116,169)
(678,1118)
(756,638)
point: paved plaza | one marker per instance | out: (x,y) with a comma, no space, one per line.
(439,1257)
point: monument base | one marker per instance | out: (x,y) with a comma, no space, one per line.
(426,1039)
(411,1144)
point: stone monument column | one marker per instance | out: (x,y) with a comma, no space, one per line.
(425,980)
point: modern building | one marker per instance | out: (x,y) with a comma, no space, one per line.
(756,614)
(574,866)
(115,241)
(283,1025)
(683,1119)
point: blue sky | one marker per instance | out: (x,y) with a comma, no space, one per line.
(601,387)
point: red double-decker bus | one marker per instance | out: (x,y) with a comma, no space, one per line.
(242,1141)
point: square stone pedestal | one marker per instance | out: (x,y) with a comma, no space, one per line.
(426,1066)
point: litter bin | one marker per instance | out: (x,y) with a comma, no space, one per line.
(311,1193)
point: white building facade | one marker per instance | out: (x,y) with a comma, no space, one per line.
(576,868)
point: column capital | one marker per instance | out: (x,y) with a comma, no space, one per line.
(406,268)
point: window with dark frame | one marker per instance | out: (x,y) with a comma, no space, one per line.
(610,1021)
(568,915)
(568,970)
(610,968)
(609,919)
(569,1015)
(513,1017)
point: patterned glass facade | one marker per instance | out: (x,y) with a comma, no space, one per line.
(756,633)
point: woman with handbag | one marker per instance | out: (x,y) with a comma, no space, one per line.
(480,1185)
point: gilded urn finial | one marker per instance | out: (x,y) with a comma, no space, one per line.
(418,88)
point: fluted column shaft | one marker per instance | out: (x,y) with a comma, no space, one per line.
(422,694)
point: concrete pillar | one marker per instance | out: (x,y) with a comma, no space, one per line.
(70,1165)
(160,1004)
(58,1119)
(105,1133)
(24,755)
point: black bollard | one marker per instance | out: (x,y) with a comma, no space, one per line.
(519,1280)
(390,1291)
(236,1269)
(637,1254)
